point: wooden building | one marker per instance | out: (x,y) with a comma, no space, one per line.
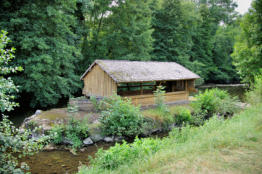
(138,80)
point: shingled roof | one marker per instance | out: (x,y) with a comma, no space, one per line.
(137,71)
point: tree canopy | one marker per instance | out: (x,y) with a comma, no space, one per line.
(247,54)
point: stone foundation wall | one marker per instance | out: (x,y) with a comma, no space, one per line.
(82,104)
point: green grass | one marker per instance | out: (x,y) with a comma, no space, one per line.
(160,116)
(220,146)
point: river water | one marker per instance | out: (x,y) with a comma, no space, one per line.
(61,161)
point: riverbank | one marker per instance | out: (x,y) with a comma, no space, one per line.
(220,146)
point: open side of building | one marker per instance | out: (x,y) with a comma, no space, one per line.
(138,80)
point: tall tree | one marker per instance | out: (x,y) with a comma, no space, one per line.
(247,54)
(213,13)
(224,39)
(119,30)
(44,35)
(172,32)
(129,32)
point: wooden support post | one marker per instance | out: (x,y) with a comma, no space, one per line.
(141,89)
(128,87)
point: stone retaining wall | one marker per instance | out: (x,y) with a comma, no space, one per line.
(83,104)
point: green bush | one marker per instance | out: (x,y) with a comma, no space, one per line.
(75,131)
(95,103)
(14,145)
(254,96)
(198,119)
(120,117)
(125,153)
(57,133)
(160,99)
(215,101)
(182,115)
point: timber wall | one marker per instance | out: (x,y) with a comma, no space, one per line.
(98,83)
(149,99)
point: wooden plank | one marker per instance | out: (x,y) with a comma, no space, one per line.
(149,99)
(141,89)
(128,86)
(98,83)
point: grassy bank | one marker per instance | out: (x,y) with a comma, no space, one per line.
(220,146)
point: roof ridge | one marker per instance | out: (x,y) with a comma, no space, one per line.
(134,61)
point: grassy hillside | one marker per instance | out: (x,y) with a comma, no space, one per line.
(220,146)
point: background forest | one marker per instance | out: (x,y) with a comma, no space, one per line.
(57,40)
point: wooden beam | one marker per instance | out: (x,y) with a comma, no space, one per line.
(141,89)
(133,86)
(128,87)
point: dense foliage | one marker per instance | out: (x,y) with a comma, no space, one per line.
(72,133)
(215,101)
(120,117)
(14,144)
(190,33)
(247,50)
(47,47)
(56,41)
(7,87)
(122,153)
(182,116)
(254,96)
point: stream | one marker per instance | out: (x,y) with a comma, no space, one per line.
(61,161)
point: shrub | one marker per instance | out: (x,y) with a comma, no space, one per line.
(254,96)
(57,133)
(120,117)
(14,145)
(75,131)
(182,115)
(160,99)
(198,119)
(95,103)
(125,153)
(215,101)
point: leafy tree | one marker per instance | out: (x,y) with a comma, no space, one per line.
(129,32)
(190,33)
(44,35)
(172,32)
(7,87)
(207,39)
(247,54)
(118,30)
(203,42)
(224,71)
(13,143)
